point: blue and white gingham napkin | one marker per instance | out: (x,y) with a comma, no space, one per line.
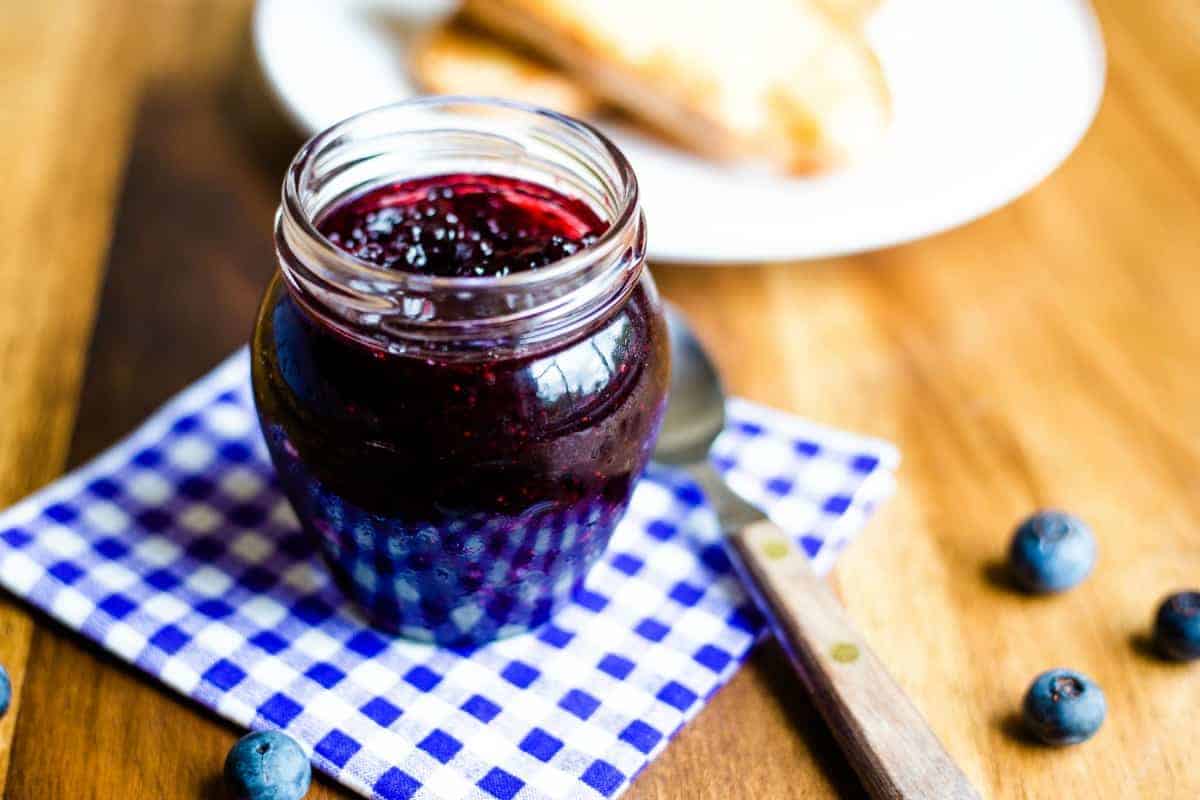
(176,551)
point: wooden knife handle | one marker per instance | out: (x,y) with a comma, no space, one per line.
(889,743)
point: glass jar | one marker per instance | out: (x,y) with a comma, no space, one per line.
(461,447)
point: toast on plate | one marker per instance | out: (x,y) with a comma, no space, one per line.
(779,81)
(456,60)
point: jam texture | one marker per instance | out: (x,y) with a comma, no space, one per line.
(460,500)
(462,226)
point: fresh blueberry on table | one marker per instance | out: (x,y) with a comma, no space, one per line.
(1177,626)
(1051,551)
(1064,707)
(267,765)
(5,691)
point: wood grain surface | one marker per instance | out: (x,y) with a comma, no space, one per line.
(1044,355)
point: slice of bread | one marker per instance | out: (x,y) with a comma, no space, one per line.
(852,13)
(456,60)
(772,80)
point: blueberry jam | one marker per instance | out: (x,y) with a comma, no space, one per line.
(462,226)
(460,499)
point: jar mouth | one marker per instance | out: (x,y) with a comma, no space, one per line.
(337,266)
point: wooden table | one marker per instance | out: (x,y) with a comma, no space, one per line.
(1045,355)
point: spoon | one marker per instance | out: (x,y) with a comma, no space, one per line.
(889,743)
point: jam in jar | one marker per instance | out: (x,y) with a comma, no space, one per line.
(461,366)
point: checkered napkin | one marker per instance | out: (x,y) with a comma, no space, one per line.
(176,551)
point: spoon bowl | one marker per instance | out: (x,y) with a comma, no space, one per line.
(696,408)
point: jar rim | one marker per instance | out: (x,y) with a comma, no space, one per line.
(351,267)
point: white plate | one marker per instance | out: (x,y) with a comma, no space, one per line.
(990,96)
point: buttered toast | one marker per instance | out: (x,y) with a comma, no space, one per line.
(456,60)
(850,12)
(779,81)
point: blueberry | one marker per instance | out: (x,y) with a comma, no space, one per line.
(5,691)
(1177,626)
(267,765)
(1051,551)
(1064,707)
